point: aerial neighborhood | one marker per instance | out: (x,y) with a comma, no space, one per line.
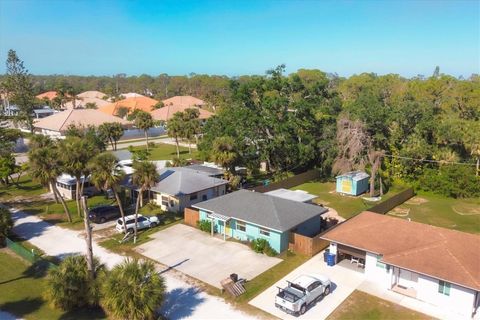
(278,194)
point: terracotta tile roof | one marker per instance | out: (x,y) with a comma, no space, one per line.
(142,103)
(167,112)
(184,101)
(92,94)
(49,95)
(81,102)
(61,120)
(441,253)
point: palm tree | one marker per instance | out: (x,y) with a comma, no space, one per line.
(107,174)
(192,126)
(145,176)
(69,286)
(224,153)
(175,128)
(6,224)
(46,166)
(133,290)
(76,153)
(144,121)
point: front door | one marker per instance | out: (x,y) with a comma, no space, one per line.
(227,229)
(407,278)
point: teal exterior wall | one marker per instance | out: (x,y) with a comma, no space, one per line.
(277,240)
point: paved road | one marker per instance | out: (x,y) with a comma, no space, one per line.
(183,301)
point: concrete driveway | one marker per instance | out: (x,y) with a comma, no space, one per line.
(203,257)
(344,279)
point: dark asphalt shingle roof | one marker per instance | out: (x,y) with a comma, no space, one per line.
(177,181)
(262,209)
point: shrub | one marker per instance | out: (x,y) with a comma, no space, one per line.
(262,246)
(451,181)
(134,290)
(69,286)
(205,225)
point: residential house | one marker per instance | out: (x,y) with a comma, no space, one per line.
(67,186)
(248,215)
(134,103)
(352,183)
(88,97)
(49,95)
(184,101)
(181,187)
(294,195)
(56,124)
(436,265)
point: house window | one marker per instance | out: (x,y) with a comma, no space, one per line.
(264,232)
(380,264)
(193,196)
(444,287)
(204,197)
(165,201)
(241,226)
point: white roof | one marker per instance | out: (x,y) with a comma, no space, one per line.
(68,179)
(295,195)
(355,175)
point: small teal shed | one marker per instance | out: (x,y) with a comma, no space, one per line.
(352,183)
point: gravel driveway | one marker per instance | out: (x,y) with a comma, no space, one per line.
(183,301)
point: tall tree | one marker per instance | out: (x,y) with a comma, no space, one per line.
(19,88)
(107,174)
(175,127)
(191,125)
(224,154)
(111,131)
(76,153)
(144,121)
(46,166)
(145,176)
(6,224)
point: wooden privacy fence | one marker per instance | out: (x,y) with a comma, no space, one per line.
(394,201)
(191,216)
(289,182)
(306,245)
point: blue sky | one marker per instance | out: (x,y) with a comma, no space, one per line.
(241,37)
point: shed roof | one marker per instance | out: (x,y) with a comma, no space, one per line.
(355,175)
(61,120)
(295,195)
(177,181)
(262,209)
(441,253)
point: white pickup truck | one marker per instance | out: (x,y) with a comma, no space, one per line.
(302,292)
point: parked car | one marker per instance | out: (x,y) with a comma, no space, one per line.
(301,293)
(142,223)
(101,214)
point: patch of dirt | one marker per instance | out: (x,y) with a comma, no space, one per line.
(416,201)
(399,212)
(466,209)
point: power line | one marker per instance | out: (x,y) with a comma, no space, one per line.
(430,161)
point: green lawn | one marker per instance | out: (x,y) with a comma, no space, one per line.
(163,151)
(346,206)
(53,212)
(25,188)
(458,214)
(360,305)
(21,288)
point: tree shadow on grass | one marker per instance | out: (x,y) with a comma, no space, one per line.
(84,313)
(37,270)
(22,307)
(181,303)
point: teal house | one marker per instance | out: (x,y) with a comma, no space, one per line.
(247,215)
(352,183)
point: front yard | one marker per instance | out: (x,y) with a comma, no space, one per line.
(360,305)
(163,151)
(21,288)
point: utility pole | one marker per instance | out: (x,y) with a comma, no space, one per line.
(88,238)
